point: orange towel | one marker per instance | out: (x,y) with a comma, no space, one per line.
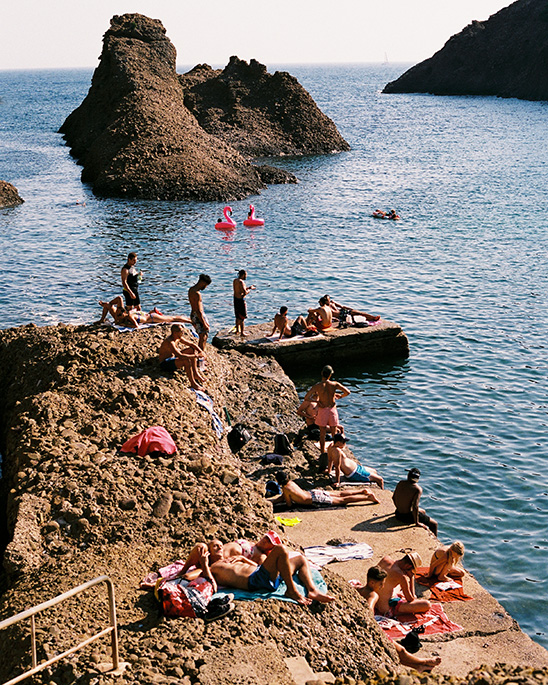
(453,595)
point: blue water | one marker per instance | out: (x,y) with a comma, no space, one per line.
(464,273)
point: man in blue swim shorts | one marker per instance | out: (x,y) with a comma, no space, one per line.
(244,574)
(176,352)
(350,469)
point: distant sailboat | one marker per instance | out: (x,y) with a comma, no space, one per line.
(386,58)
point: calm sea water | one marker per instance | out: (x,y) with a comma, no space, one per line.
(464,273)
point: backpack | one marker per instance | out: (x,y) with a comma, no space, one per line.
(181,599)
(282,445)
(238,437)
(412,642)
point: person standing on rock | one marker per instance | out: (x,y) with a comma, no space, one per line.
(406,499)
(197,314)
(240,308)
(130,282)
(326,392)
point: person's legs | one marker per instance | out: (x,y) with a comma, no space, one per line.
(416,606)
(186,364)
(421,665)
(322,438)
(277,563)
(375,478)
(368,317)
(343,498)
(428,521)
(299,564)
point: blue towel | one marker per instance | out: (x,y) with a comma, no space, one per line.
(247,595)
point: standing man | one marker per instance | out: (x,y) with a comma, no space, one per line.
(240,308)
(326,392)
(406,499)
(197,314)
(130,282)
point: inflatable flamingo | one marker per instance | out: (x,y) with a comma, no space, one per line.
(251,220)
(229,223)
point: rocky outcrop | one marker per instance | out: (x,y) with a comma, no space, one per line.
(507,55)
(9,196)
(258,113)
(136,137)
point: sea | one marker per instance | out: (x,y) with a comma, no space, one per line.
(464,273)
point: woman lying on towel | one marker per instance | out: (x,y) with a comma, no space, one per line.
(133,318)
(443,563)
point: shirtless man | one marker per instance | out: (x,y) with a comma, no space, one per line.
(281,323)
(400,575)
(245,574)
(130,282)
(336,308)
(321,317)
(308,410)
(376,578)
(176,353)
(327,392)
(133,318)
(352,471)
(406,499)
(292,494)
(197,314)
(240,308)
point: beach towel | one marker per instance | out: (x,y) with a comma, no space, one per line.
(206,402)
(290,522)
(434,620)
(325,554)
(153,439)
(168,572)
(442,591)
(124,329)
(248,596)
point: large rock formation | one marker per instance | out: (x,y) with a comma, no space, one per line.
(507,55)
(9,196)
(135,136)
(258,113)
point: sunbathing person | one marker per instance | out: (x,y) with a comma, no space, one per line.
(336,310)
(281,323)
(115,308)
(352,471)
(292,494)
(133,318)
(321,317)
(244,574)
(400,576)
(376,578)
(443,565)
(176,352)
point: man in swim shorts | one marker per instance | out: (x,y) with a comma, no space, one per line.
(406,499)
(327,392)
(197,314)
(400,573)
(281,323)
(293,494)
(240,308)
(352,471)
(321,317)
(175,353)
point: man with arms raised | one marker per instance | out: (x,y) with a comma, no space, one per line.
(406,499)
(326,392)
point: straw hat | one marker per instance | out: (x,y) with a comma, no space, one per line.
(415,559)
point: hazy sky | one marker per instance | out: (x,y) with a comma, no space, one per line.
(68,33)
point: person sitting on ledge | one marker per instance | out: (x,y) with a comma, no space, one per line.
(376,578)
(292,494)
(352,471)
(336,310)
(406,499)
(321,317)
(443,565)
(400,575)
(281,323)
(176,353)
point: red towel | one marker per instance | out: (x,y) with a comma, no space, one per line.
(454,595)
(153,439)
(434,621)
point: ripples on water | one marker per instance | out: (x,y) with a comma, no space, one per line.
(464,273)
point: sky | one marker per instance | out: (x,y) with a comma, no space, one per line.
(44,34)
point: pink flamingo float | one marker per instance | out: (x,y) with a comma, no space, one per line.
(229,224)
(251,220)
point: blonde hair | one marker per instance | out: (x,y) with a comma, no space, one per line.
(458,548)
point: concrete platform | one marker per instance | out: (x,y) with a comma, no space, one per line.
(490,635)
(385,340)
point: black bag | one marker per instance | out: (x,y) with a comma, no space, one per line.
(238,437)
(282,444)
(323,461)
(412,642)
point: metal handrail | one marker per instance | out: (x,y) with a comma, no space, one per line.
(30,613)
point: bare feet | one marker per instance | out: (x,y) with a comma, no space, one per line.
(321,597)
(293,594)
(428,665)
(372,318)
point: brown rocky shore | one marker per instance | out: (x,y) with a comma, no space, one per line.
(77,508)
(504,56)
(9,195)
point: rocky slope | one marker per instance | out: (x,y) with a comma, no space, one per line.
(9,196)
(258,113)
(135,135)
(507,55)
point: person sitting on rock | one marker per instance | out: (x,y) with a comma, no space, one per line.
(400,580)
(352,471)
(376,578)
(281,323)
(292,494)
(321,317)
(245,574)
(406,497)
(443,565)
(175,353)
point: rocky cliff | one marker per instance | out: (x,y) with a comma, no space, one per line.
(135,135)
(507,55)
(9,196)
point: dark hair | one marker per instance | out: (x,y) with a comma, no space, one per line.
(327,371)
(339,437)
(376,573)
(323,300)
(283,310)
(282,478)
(413,474)
(242,273)
(176,328)
(204,278)
(131,255)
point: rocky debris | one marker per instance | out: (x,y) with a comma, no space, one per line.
(136,137)
(507,55)
(258,113)
(9,196)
